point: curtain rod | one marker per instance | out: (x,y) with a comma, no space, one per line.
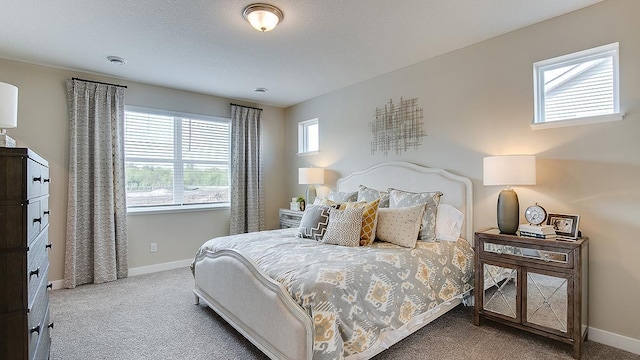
(248,107)
(99,82)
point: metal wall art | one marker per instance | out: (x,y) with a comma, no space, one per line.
(397,127)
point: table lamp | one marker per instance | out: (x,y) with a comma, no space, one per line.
(8,112)
(509,170)
(310,176)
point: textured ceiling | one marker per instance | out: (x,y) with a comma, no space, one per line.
(207,46)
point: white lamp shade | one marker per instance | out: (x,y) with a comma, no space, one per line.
(509,170)
(310,176)
(8,106)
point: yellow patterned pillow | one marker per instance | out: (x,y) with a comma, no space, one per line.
(369,219)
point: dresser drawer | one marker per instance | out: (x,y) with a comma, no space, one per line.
(44,342)
(37,179)
(44,211)
(37,264)
(37,320)
(34,220)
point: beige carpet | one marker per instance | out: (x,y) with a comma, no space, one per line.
(153,317)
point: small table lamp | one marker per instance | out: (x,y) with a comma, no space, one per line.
(509,170)
(8,112)
(310,176)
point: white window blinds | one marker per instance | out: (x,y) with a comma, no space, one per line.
(176,160)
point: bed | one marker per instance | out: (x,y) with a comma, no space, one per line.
(265,301)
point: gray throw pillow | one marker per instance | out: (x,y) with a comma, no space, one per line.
(368,194)
(342,196)
(400,198)
(313,224)
(344,227)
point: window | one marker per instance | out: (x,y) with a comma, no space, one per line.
(577,88)
(175,161)
(308,136)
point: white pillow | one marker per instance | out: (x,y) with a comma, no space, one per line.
(448,223)
(400,226)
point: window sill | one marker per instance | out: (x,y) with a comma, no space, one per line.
(176,209)
(579,121)
(308,153)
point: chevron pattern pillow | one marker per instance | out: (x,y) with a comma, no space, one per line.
(313,224)
(344,227)
(400,198)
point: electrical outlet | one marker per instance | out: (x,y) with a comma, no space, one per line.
(154,247)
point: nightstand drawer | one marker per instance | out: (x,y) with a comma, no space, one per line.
(290,218)
(534,253)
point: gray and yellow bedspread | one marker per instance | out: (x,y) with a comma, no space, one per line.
(354,293)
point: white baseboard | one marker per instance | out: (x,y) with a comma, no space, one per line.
(617,341)
(159,267)
(59,284)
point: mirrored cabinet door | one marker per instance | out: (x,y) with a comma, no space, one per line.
(500,290)
(546,301)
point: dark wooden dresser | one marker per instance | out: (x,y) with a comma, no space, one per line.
(24,264)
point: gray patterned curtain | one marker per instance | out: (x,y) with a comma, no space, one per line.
(247,188)
(96,214)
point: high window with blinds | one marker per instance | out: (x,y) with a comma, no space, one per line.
(175,160)
(577,88)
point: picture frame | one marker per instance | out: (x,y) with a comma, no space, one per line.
(565,225)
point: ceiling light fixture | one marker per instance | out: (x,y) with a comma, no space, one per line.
(115,60)
(263,17)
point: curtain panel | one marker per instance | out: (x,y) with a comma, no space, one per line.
(96,242)
(247,185)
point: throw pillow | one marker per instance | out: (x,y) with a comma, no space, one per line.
(342,196)
(368,194)
(344,227)
(400,198)
(313,224)
(369,219)
(448,222)
(400,226)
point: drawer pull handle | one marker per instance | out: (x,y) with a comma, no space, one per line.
(48,246)
(35,272)
(37,220)
(50,286)
(46,180)
(46,212)
(38,179)
(35,330)
(50,326)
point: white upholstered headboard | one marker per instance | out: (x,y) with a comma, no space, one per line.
(457,189)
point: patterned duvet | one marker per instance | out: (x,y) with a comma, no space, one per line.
(354,293)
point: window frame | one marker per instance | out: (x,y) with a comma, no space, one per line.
(178,188)
(303,137)
(600,52)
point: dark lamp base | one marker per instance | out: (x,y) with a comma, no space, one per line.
(508,212)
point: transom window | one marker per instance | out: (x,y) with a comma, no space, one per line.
(308,136)
(577,88)
(175,161)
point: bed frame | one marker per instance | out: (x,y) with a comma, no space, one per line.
(262,310)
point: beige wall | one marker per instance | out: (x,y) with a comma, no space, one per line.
(478,101)
(43,126)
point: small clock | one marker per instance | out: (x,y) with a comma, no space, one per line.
(535,214)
